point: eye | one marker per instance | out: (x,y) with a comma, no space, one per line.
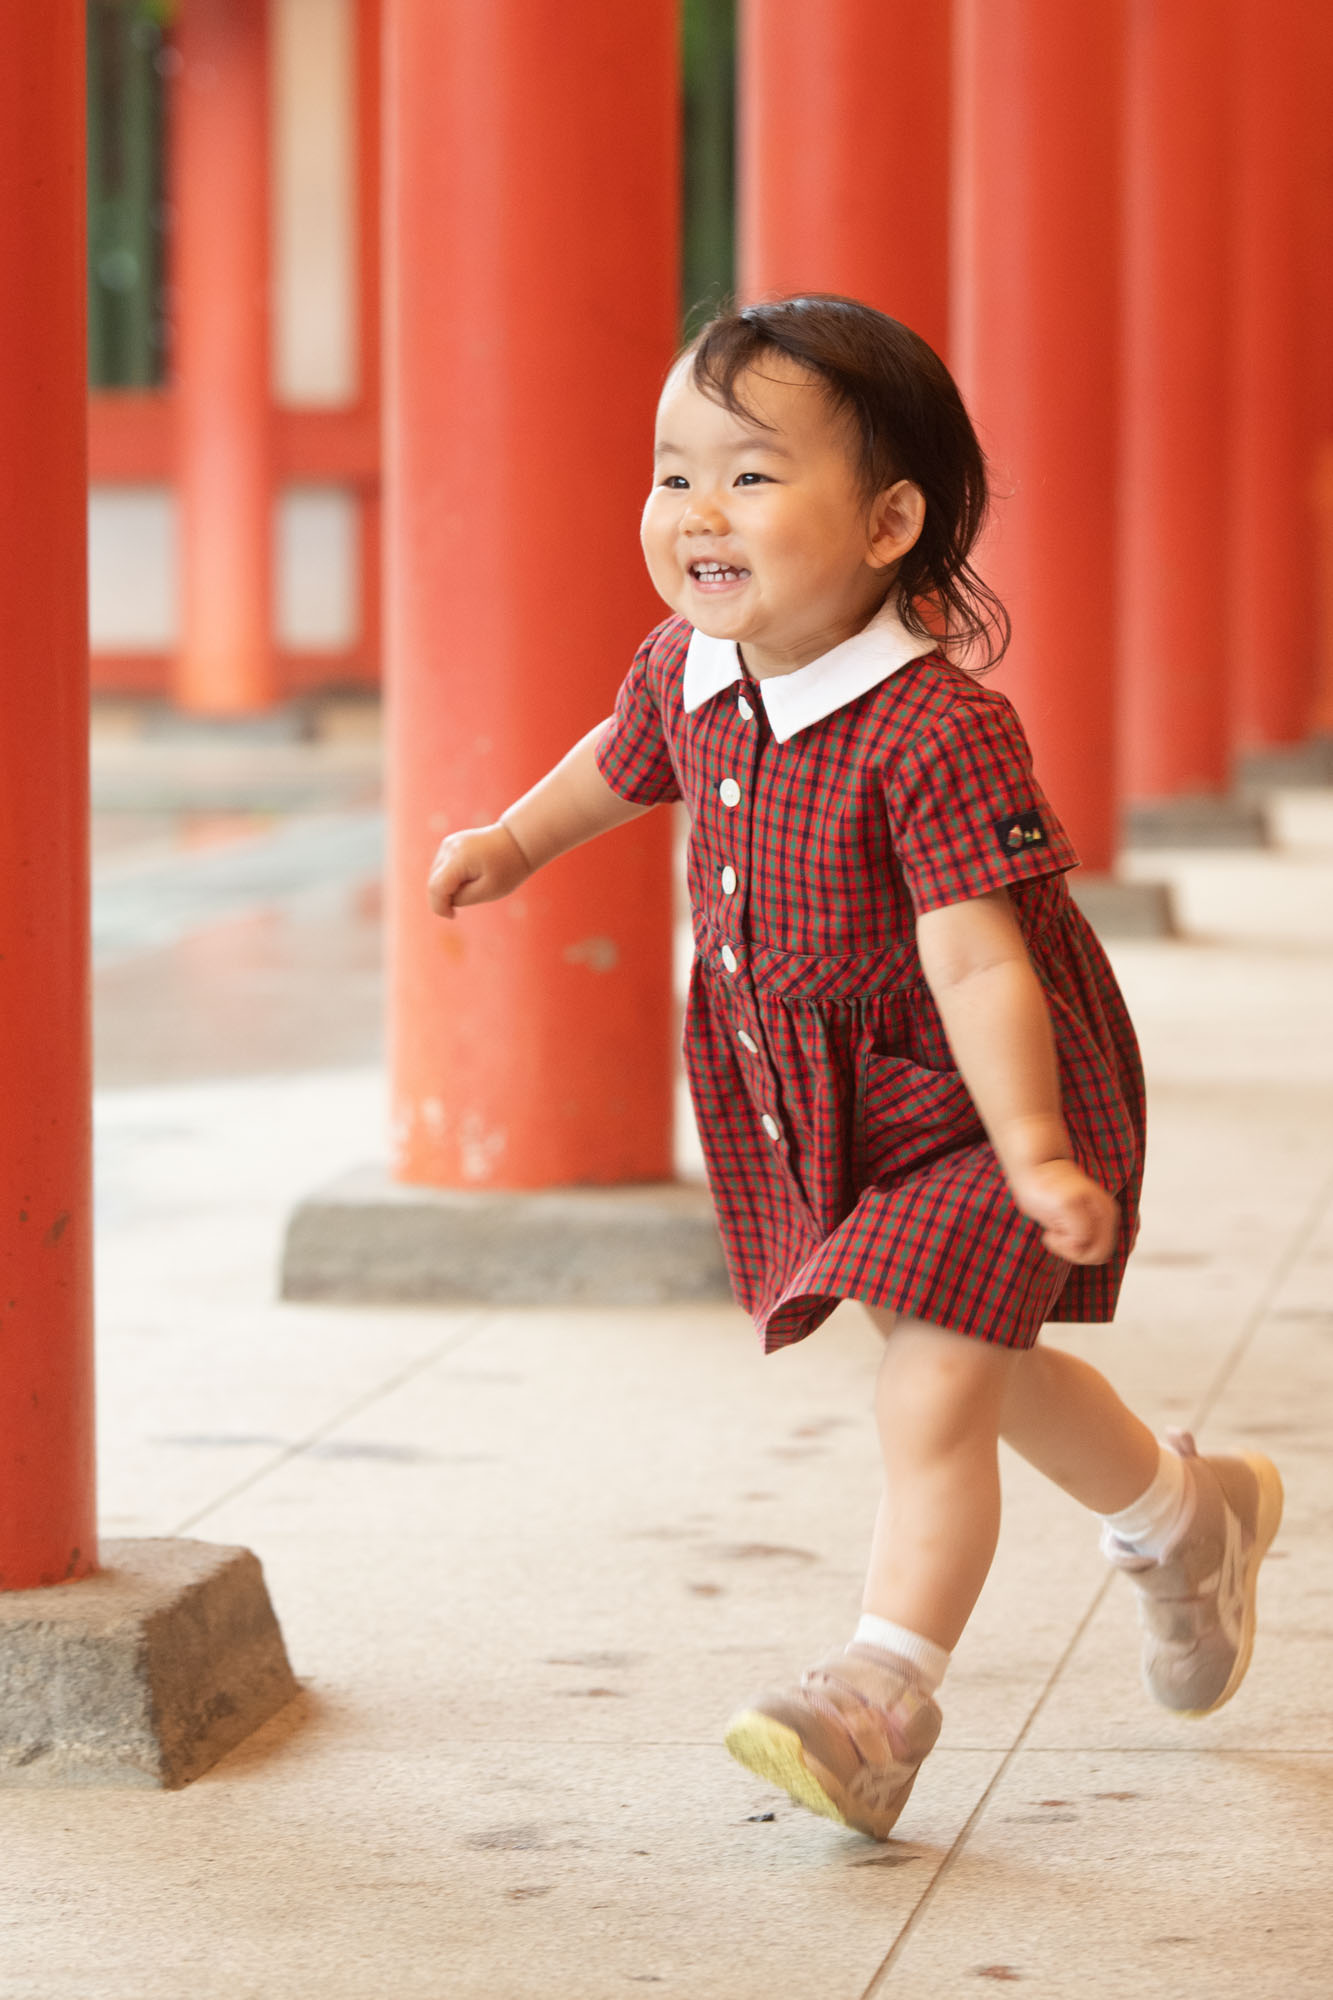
(676,481)
(755,478)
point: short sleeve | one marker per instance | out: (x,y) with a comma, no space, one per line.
(967,814)
(632,754)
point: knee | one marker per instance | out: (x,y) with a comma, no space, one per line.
(940,1393)
(1026,1379)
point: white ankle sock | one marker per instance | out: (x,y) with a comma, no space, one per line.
(1148,1523)
(928,1661)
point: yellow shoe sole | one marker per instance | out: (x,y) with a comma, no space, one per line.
(776,1754)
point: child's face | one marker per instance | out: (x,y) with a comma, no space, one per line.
(764,535)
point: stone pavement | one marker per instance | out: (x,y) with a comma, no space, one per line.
(527,1562)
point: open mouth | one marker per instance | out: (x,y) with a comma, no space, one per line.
(717,575)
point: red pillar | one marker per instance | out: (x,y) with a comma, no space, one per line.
(370,332)
(844,153)
(220,356)
(1035,342)
(1272,534)
(1173,555)
(47,1513)
(1318,232)
(531,168)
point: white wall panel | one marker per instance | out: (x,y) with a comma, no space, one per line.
(314,197)
(133,596)
(319,581)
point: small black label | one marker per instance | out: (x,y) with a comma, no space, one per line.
(1020,830)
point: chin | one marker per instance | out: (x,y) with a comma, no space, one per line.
(719,621)
(717,628)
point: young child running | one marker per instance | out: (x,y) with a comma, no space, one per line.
(915,1080)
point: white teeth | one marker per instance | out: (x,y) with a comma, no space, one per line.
(713,570)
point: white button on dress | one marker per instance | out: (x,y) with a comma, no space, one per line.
(728,957)
(729,881)
(771,1126)
(729,792)
(747,1041)
(747,713)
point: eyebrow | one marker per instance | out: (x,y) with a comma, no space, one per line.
(756,443)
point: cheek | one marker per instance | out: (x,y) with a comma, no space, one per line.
(794,534)
(656,531)
(818,543)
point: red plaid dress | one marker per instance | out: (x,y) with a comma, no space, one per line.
(844,1152)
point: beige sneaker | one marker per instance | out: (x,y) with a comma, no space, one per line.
(848,1742)
(1197,1604)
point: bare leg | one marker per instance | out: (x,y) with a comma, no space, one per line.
(1067,1420)
(938,1405)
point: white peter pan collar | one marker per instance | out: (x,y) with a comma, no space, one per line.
(794,701)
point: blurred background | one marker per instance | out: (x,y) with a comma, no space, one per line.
(214,961)
(321,63)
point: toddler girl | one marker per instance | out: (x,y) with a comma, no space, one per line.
(915,1080)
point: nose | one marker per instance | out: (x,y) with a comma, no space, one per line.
(704,515)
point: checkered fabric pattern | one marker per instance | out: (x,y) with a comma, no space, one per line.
(844,1153)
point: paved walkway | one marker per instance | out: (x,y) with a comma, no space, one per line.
(527,1562)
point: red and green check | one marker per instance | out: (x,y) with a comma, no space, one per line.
(843,1150)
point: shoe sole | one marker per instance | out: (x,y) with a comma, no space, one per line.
(1267,1523)
(777,1755)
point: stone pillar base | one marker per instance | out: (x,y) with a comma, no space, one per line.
(144,1674)
(368,1240)
(1117,909)
(1300,764)
(1201,821)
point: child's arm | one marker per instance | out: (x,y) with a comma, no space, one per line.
(994,1013)
(570,804)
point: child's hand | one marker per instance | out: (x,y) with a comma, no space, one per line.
(476,866)
(1080,1219)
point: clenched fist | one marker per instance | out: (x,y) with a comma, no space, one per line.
(1080,1219)
(478,865)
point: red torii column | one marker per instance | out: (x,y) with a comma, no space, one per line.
(47,1513)
(1272,544)
(1035,341)
(531,161)
(844,117)
(1174,562)
(220,357)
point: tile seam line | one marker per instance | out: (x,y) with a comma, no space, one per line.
(630,1743)
(879,1978)
(1299,1243)
(423,1363)
(1296,1247)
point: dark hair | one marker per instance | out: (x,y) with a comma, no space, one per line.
(909,422)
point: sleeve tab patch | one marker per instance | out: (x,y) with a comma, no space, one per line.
(1018,831)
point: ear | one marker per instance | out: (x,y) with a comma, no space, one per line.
(896,520)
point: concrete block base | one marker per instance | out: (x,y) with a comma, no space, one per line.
(1118,909)
(145,1674)
(286,722)
(1196,822)
(365,1239)
(1301,764)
